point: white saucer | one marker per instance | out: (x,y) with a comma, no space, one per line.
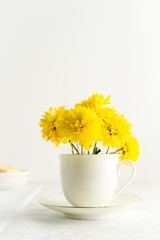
(9,180)
(14,175)
(60,204)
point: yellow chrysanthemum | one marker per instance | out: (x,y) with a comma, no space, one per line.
(130,150)
(81,125)
(96,101)
(49,124)
(115,130)
(106,112)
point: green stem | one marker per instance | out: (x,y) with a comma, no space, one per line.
(89,150)
(107,150)
(95,148)
(75,148)
(72,149)
(81,149)
(116,151)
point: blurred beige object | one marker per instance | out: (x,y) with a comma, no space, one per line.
(13,178)
(7,168)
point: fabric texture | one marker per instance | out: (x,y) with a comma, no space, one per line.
(22,218)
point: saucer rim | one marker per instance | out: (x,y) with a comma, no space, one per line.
(139,199)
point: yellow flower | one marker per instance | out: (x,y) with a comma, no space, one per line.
(49,124)
(81,125)
(106,112)
(96,101)
(115,130)
(130,150)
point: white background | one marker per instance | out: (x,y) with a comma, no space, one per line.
(59,52)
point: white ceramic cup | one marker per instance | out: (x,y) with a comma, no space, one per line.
(91,180)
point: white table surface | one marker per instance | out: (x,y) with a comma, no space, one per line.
(21,217)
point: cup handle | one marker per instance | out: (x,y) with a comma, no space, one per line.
(132,164)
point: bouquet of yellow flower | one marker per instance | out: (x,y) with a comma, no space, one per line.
(87,124)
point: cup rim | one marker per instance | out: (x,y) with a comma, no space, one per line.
(100,154)
(89,155)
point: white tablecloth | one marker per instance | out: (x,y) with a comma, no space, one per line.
(22,218)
